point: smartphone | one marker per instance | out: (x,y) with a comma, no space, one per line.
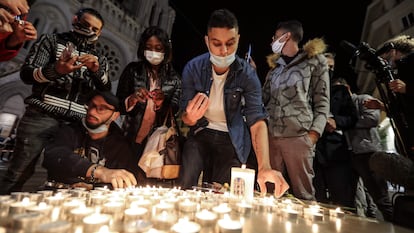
(68,50)
(248,55)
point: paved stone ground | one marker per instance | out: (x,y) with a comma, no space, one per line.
(33,184)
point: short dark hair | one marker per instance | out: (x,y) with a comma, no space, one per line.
(222,18)
(292,26)
(161,35)
(108,96)
(91,11)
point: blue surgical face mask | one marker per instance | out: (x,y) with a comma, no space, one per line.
(100,129)
(222,62)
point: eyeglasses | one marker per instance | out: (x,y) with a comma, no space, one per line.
(99,108)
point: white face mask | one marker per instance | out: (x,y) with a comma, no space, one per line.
(277,46)
(222,62)
(153,57)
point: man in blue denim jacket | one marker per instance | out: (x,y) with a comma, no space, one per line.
(222,104)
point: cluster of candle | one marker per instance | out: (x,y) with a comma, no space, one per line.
(142,209)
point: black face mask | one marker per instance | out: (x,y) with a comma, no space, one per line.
(83,31)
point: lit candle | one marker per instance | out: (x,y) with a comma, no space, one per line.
(185,226)
(242,182)
(313,213)
(206,218)
(164,221)
(144,203)
(70,204)
(187,206)
(115,209)
(41,208)
(338,213)
(77,214)
(95,221)
(290,213)
(135,213)
(227,225)
(20,206)
(222,209)
(55,200)
(163,207)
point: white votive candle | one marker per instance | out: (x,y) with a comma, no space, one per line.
(227,225)
(206,218)
(185,226)
(93,222)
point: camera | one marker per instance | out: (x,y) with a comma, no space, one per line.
(374,62)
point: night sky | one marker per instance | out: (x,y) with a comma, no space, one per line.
(257,22)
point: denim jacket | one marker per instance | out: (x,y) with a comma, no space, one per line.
(242,98)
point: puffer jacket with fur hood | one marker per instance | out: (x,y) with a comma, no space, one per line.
(296,95)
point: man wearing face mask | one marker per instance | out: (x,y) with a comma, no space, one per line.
(148,88)
(62,69)
(223,106)
(92,151)
(296,95)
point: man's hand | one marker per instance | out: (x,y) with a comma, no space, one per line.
(397,85)
(21,33)
(90,61)
(196,108)
(119,178)
(330,125)
(273,176)
(374,104)
(5,19)
(66,65)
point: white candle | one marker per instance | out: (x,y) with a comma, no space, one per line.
(20,206)
(164,221)
(77,214)
(206,218)
(222,209)
(290,213)
(313,213)
(337,213)
(227,225)
(242,182)
(136,213)
(55,200)
(41,208)
(94,222)
(185,226)
(187,206)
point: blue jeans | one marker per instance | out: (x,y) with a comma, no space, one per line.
(211,152)
(35,129)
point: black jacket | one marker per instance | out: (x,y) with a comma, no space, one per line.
(69,156)
(62,96)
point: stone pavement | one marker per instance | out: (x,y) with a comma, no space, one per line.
(34,182)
